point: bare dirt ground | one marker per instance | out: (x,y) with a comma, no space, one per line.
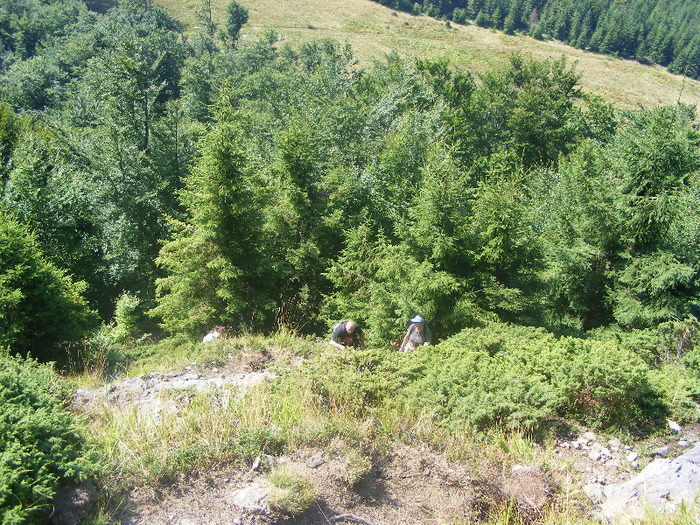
(409,484)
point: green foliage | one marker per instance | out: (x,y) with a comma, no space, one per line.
(126,318)
(212,264)
(236,17)
(526,110)
(519,377)
(579,240)
(502,237)
(9,135)
(97,172)
(41,308)
(42,446)
(608,385)
(323,191)
(621,246)
(680,386)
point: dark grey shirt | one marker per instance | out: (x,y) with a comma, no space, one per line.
(418,338)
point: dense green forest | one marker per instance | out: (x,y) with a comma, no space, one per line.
(158,182)
(665,32)
(201,180)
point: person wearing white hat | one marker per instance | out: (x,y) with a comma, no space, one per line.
(418,334)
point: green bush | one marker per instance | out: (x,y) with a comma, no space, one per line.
(520,377)
(606,384)
(496,375)
(40,443)
(41,308)
(680,386)
(126,318)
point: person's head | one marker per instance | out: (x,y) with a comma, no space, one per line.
(418,320)
(350,326)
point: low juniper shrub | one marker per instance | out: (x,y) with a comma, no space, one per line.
(41,445)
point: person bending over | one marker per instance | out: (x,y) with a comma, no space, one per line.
(347,333)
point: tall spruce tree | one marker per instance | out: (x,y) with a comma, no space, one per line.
(212,263)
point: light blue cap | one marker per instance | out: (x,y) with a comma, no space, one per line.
(418,319)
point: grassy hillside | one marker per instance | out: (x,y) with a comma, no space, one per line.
(374,30)
(380,420)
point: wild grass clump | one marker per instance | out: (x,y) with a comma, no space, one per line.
(200,435)
(291,492)
(353,383)
(43,444)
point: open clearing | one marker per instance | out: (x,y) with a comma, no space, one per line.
(374,30)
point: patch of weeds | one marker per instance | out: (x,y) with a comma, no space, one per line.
(358,466)
(251,443)
(289,342)
(179,463)
(292,493)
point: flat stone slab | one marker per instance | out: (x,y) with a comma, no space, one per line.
(252,498)
(157,394)
(662,487)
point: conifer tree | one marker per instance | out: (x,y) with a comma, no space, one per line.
(212,263)
(41,308)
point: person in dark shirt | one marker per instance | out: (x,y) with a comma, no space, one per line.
(347,333)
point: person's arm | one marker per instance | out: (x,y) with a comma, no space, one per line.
(337,345)
(362,340)
(405,340)
(428,336)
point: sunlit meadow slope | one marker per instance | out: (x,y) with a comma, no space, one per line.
(374,30)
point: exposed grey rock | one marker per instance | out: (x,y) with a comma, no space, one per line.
(614,444)
(595,491)
(662,486)
(661,451)
(632,457)
(315,461)
(252,498)
(152,395)
(599,453)
(599,479)
(675,427)
(588,438)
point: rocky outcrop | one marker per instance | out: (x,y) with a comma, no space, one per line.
(156,394)
(661,487)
